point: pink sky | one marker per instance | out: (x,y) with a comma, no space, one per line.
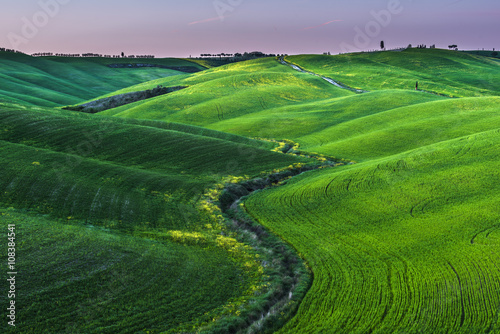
(190,27)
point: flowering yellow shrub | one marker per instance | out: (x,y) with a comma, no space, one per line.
(227,243)
(187,237)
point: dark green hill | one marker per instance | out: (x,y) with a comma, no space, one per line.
(113,224)
(56,81)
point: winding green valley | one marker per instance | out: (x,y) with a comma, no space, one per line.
(258,199)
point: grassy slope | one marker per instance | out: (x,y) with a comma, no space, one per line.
(393,290)
(340,123)
(492,54)
(410,243)
(228,92)
(82,279)
(55,81)
(265,99)
(407,243)
(129,176)
(446,72)
(301,122)
(400,129)
(100,156)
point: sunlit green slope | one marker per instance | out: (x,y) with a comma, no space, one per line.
(229,92)
(242,99)
(401,129)
(406,241)
(94,154)
(440,71)
(405,244)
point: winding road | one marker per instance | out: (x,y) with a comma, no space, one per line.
(341,85)
(330,80)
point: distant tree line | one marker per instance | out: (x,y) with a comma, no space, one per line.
(10,50)
(424,46)
(246,55)
(87,55)
(50,54)
(217,55)
(141,56)
(77,55)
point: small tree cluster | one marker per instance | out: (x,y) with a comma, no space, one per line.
(43,54)
(10,50)
(135,56)
(70,55)
(96,55)
(246,55)
(87,55)
(219,55)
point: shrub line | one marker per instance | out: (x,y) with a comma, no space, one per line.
(115,101)
(295,275)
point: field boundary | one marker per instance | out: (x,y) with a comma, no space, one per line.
(296,273)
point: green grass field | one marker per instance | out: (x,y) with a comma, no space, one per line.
(405,244)
(85,279)
(107,214)
(229,92)
(343,124)
(406,240)
(445,72)
(55,81)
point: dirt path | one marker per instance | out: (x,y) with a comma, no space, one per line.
(330,80)
(341,85)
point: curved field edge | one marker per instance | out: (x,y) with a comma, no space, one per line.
(264,267)
(290,275)
(409,243)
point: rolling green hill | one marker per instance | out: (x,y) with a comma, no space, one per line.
(228,92)
(404,241)
(405,244)
(445,72)
(84,279)
(77,161)
(358,126)
(401,129)
(108,209)
(56,81)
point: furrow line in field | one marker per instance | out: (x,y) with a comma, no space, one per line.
(462,317)
(483,297)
